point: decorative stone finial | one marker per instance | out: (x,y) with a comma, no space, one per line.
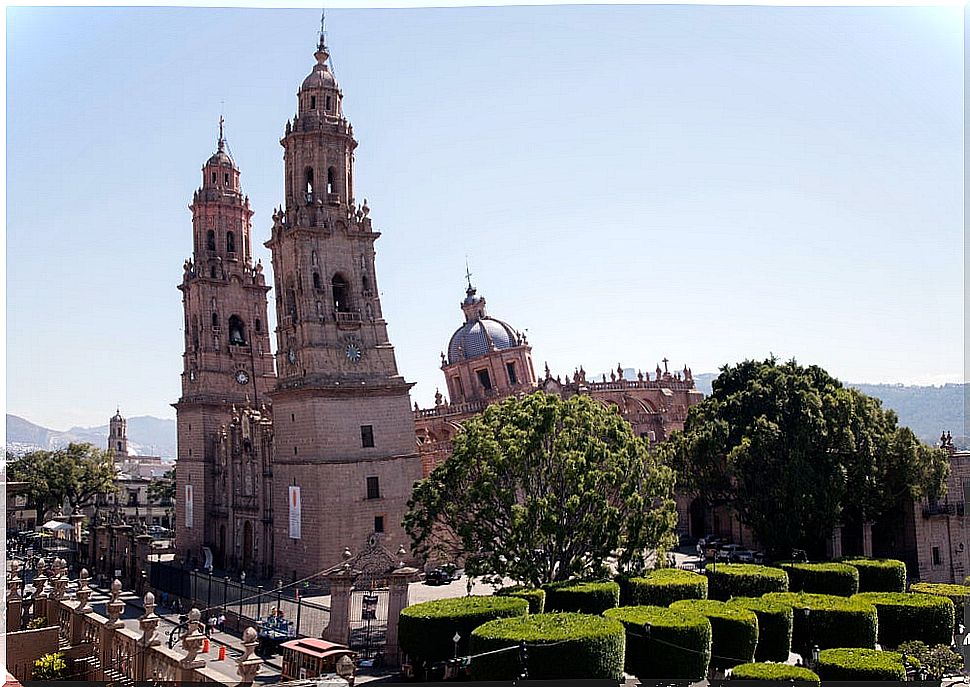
(192,641)
(149,623)
(13,582)
(83,593)
(247,665)
(116,605)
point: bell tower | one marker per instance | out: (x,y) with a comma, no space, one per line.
(227,359)
(343,425)
(118,436)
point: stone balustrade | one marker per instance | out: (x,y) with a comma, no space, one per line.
(104,648)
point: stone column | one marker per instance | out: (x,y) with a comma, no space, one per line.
(833,547)
(14,601)
(192,645)
(867,539)
(341,585)
(247,665)
(397,601)
(148,623)
(81,608)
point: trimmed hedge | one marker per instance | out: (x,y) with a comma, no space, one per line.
(837,579)
(774,627)
(581,596)
(662,587)
(734,630)
(579,647)
(535,597)
(772,671)
(832,621)
(904,617)
(956,593)
(860,664)
(425,630)
(879,574)
(744,579)
(676,646)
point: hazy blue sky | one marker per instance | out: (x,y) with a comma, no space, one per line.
(703,183)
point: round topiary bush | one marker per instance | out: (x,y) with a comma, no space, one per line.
(831,621)
(774,627)
(956,593)
(662,587)
(743,579)
(860,664)
(559,646)
(837,579)
(905,617)
(772,671)
(581,596)
(535,597)
(664,643)
(426,630)
(734,630)
(879,574)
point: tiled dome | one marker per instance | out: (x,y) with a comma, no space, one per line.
(478,337)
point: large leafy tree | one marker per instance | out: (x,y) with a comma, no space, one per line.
(794,452)
(162,490)
(541,489)
(73,475)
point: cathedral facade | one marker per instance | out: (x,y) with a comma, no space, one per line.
(282,464)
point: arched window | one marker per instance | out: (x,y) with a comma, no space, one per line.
(119,445)
(308,180)
(313,257)
(212,271)
(316,280)
(365,282)
(331,180)
(210,240)
(341,294)
(259,326)
(313,102)
(237,330)
(230,242)
(215,320)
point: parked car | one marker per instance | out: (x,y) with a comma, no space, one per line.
(452,570)
(726,553)
(437,576)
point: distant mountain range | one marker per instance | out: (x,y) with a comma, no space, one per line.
(147,436)
(927,410)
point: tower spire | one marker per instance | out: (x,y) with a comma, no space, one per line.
(322,42)
(222,138)
(468,275)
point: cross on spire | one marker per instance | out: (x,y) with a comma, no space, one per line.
(468,273)
(323,28)
(222,139)
(665,361)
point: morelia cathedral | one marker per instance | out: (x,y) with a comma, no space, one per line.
(284,463)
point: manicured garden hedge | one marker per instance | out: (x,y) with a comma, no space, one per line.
(579,647)
(734,630)
(838,579)
(662,587)
(582,596)
(535,597)
(743,579)
(774,627)
(664,643)
(426,630)
(879,574)
(860,664)
(772,671)
(904,617)
(832,621)
(957,593)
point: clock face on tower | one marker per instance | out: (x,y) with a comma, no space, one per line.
(242,377)
(353,352)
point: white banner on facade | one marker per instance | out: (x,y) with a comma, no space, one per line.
(295,512)
(188,506)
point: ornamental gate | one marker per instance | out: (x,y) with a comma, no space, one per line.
(369,599)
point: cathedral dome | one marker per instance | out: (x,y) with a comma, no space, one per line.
(220,158)
(478,337)
(320,77)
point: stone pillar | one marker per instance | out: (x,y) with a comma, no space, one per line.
(833,547)
(81,609)
(14,600)
(192,645)
(867,539)
(397,601)
(148,623)
(341,585)
(247,665)
(42,590)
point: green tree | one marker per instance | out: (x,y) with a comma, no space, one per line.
(541,489)
(162,490)
(793,452)
(73,475)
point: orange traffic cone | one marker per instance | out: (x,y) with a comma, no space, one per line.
(205,645)
(222,653)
